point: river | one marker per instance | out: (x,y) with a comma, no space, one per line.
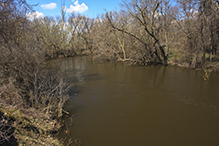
(115,104)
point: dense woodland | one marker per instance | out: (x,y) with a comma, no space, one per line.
(181,32)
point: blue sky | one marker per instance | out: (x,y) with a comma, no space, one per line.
(90,8)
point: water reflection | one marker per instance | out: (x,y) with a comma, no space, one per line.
(120,105)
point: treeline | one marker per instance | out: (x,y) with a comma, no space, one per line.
(143,31)
(185,32)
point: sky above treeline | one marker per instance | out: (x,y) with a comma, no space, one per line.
(90,8)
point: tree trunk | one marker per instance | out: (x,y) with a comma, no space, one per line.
(194,60)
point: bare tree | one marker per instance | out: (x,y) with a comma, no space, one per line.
(197,23)
(146,13)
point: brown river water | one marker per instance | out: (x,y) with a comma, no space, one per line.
(115,104)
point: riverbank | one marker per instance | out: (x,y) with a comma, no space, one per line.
(22,125)
(31,100)
(210,66)
(28,127)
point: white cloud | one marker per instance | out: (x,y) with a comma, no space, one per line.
(34,15)
(80,8)
(49,6)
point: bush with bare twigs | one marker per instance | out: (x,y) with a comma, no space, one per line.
(31,96)
(29,91)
